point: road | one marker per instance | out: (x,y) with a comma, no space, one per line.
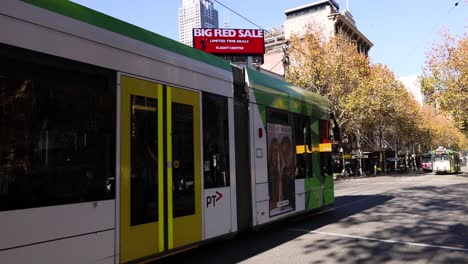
(385,219)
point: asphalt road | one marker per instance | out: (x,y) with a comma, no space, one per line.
(384,219)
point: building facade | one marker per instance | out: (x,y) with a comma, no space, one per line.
(274,43)
(195,14)
(324,14)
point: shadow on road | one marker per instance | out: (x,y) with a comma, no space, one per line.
(422,224)
(249,244)
(431,218)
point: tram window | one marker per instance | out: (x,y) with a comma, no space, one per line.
(183,152)
(57,136)
(215,141)
(279,117)
(144,161)
(302,139)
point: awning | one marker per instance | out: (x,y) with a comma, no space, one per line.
(393,159)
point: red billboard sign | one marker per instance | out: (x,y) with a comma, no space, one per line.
(225,41)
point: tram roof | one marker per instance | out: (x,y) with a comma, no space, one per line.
(95,18)
(273,91)
(445,151)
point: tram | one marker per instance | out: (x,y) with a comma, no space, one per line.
(445,161)
(118,145)
(426,162)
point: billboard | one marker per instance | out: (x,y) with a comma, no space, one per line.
(224,41)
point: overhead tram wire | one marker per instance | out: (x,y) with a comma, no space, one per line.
(455,5)
(276,64)
(230,9)
(438,23)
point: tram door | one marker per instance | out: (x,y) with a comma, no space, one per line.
(160,186)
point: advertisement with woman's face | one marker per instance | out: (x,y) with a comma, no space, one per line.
(280,169)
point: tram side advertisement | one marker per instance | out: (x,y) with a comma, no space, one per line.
(222,41)
(280,169)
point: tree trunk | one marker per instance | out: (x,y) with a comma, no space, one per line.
(359,152)
(396,155)
(381,156)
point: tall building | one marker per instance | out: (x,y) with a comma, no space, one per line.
(195,14)
(324,13)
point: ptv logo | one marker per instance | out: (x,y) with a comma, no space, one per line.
(211,200)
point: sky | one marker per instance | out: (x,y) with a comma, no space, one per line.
(402,31)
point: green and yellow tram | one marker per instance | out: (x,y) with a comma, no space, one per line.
(119,145)
(445,161)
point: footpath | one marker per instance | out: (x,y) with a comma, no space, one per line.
(464,170)
(339,177)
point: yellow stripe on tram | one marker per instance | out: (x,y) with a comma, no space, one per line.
(160,169)
(170,220)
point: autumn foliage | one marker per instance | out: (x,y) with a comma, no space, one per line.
(445,78)
(329,66)
(368,99)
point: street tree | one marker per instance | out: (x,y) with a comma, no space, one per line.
(328,65)
(383,107)
(367,99)
(441,131)
(444,81)
(370,106)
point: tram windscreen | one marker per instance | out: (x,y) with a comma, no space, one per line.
(426,159)
(441,157)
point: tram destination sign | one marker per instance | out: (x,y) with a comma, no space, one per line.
(224,41)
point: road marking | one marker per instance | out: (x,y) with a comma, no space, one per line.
(381,240)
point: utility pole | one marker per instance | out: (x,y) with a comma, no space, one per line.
(285,49)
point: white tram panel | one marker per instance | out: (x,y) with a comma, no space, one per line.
(259,167)
(87,224)
(300,194)
(217,207)
(93,248)
(34,28)
(232,161)
(220,204)
(260,146)
(261,192)
(263,213)
(441,166)
(252,161)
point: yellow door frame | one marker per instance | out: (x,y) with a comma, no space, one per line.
(186,229)
(148,239)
